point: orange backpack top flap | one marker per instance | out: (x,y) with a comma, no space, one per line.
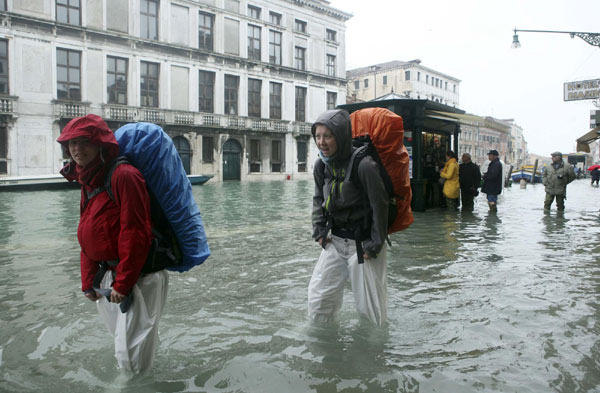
(386,130)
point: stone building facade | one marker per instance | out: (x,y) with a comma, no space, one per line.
(517,146)
(409,79)
(235,83)
(479,137)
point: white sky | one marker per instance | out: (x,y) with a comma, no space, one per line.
(470,40)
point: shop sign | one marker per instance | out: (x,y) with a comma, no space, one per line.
(582,90)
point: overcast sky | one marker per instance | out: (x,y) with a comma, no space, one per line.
(470,40)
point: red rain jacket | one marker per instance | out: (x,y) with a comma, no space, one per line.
(109,230)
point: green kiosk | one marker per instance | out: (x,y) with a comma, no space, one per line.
(430,130)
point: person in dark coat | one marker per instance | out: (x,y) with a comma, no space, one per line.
(469,177)
(492,180)
(595,176)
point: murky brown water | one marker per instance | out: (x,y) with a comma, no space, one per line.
(478,302)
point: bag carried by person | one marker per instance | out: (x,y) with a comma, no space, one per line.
(180,241)
(379,133)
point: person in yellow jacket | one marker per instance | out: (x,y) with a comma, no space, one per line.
(451,188)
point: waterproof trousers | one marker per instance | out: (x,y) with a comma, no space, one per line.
(560,201)
(136,331)
(337,263)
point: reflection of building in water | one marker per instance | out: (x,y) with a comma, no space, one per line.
(236,85)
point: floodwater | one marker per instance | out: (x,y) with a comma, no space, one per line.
(478,302)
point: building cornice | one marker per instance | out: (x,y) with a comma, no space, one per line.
(323,8)
(393,66)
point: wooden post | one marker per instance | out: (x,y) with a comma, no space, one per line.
(509,177)
(534,171)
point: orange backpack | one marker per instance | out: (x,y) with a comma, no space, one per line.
(384,130)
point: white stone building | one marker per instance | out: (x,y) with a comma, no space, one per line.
(235,83)
(409,79)
(517,146)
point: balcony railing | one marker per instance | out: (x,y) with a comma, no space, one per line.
(8,105)
(302,128)
(70,109)
(119,113)
(153,116)
(171,117)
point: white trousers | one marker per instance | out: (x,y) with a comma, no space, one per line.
(136,331)
(337,263)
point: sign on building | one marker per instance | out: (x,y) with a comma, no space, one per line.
(582,90)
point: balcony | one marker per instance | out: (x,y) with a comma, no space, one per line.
(8,105)
(301,128)
(70,109)
(200,119)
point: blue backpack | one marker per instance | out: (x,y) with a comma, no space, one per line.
(177,221)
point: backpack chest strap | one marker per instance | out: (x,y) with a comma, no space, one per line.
(107,181)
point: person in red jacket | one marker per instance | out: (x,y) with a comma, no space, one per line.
(115,236)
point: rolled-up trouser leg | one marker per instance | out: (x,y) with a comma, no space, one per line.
(136,331)
(369,286)
(326,287)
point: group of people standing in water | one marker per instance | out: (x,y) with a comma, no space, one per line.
(349,223)
(463,181)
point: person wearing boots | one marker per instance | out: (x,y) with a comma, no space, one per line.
(595,176)
(469,177)
(555,179)
(492,180)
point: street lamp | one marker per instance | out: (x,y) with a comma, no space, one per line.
(590,38)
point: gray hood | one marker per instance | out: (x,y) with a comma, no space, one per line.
(338,121)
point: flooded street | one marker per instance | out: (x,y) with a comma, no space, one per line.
(478,302)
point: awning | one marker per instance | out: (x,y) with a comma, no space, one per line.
(455,117)
(583,142)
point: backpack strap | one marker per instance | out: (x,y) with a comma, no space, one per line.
(107,181)
(365,148)
(360,153)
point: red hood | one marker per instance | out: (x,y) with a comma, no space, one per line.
(97,131)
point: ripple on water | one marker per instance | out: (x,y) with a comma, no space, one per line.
(477,301)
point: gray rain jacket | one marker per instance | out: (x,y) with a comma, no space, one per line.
(343,200)
(556,179)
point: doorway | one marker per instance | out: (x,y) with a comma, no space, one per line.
(185,153)
(232,154)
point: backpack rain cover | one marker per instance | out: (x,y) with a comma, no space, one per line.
(153,153)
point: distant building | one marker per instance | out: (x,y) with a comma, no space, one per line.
(595,151)
(517,146)
(236,84)
(408,79)
(479,136)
